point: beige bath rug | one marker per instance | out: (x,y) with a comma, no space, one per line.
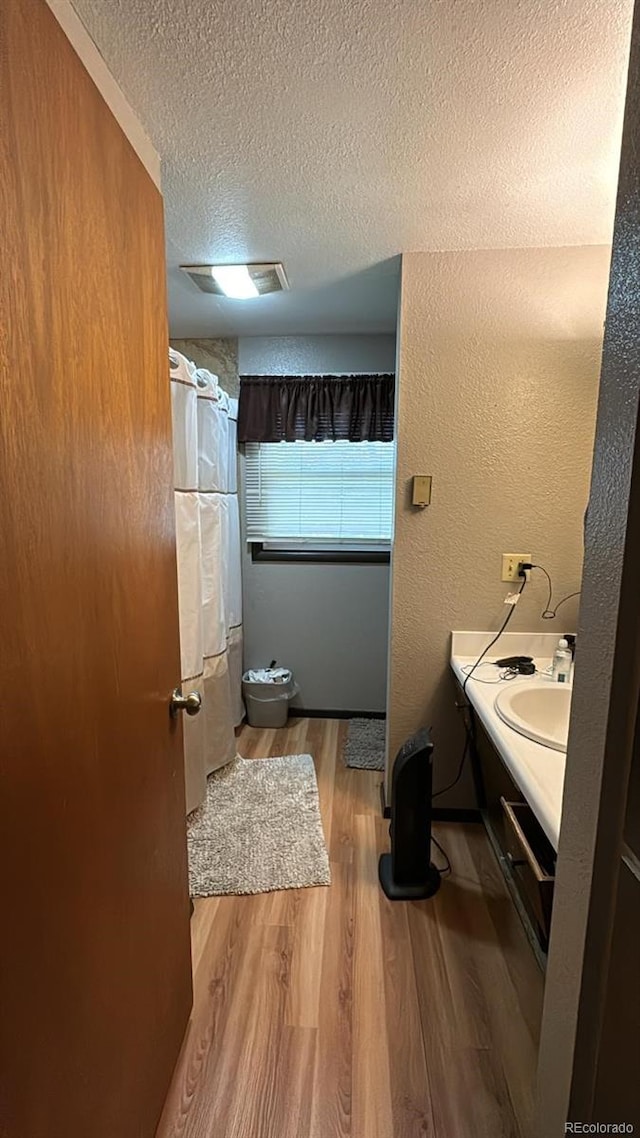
(259,829)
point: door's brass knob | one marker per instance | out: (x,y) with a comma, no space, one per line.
(190,703)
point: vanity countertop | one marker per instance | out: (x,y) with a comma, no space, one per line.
(537,770)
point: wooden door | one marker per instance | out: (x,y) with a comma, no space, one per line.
(94,952)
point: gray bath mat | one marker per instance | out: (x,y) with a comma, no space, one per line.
(365,744)
(258,829)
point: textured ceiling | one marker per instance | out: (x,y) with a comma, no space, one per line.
(334,135)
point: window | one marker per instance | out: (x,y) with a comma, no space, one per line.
(320,501)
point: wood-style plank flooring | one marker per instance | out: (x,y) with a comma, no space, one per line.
(332,1013)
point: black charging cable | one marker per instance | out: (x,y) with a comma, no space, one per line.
(466,706)
(512,609)
(444,871)
(465,752)
(549,613)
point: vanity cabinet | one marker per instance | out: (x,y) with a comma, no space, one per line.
(524,852)
(531,860)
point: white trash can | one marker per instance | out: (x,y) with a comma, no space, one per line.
(267,693)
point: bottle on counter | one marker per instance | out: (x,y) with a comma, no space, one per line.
(562,661)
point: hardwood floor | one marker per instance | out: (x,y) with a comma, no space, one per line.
(332,1013)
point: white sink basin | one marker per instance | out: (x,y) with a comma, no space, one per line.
(538,710)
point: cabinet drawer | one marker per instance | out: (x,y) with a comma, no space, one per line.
(531,858)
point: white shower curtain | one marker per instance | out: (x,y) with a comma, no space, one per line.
(209,581)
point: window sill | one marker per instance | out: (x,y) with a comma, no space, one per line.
(320,556)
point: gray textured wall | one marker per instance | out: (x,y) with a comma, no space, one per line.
(315,355)
(327,622)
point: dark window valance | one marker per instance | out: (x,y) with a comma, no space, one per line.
(316,408)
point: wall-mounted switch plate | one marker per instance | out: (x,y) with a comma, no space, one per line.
(421,490)
(510,563)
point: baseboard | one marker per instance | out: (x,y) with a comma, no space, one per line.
(455,814)
(331,713)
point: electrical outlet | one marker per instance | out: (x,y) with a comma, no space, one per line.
(510,563)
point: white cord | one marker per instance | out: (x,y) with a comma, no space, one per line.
(504,674)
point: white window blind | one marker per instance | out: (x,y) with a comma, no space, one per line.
(330,492)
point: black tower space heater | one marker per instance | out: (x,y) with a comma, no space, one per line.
(407,873)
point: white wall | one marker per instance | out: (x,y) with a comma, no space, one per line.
(329,623)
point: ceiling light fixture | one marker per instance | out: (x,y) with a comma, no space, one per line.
(234,280)
(238,282)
